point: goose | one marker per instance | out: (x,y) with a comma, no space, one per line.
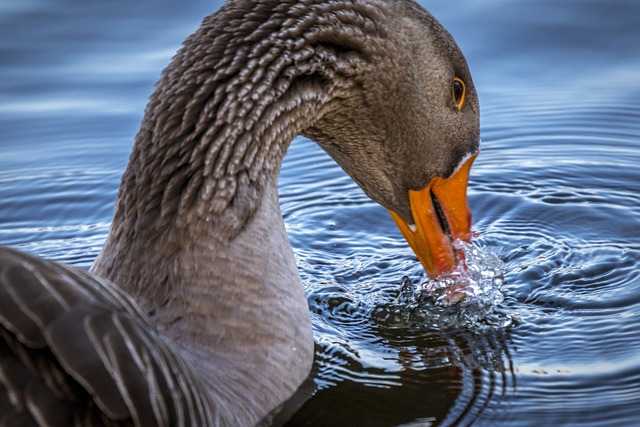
(193,313)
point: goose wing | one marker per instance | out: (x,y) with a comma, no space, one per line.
(75,350)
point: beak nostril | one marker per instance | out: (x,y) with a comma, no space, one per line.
(442,219)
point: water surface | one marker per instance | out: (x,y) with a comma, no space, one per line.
(554,195)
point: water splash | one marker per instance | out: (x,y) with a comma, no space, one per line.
(469,296)
(477,279)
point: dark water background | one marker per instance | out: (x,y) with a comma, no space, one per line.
(554,195)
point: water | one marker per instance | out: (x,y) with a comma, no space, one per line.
(554,195)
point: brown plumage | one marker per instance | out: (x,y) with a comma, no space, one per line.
(207,322)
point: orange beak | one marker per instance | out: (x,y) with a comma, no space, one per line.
(441,216)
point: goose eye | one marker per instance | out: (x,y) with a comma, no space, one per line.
(459,91)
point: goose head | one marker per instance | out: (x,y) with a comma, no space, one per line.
(406,128)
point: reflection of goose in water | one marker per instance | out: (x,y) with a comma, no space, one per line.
(223,333)
(384,360)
